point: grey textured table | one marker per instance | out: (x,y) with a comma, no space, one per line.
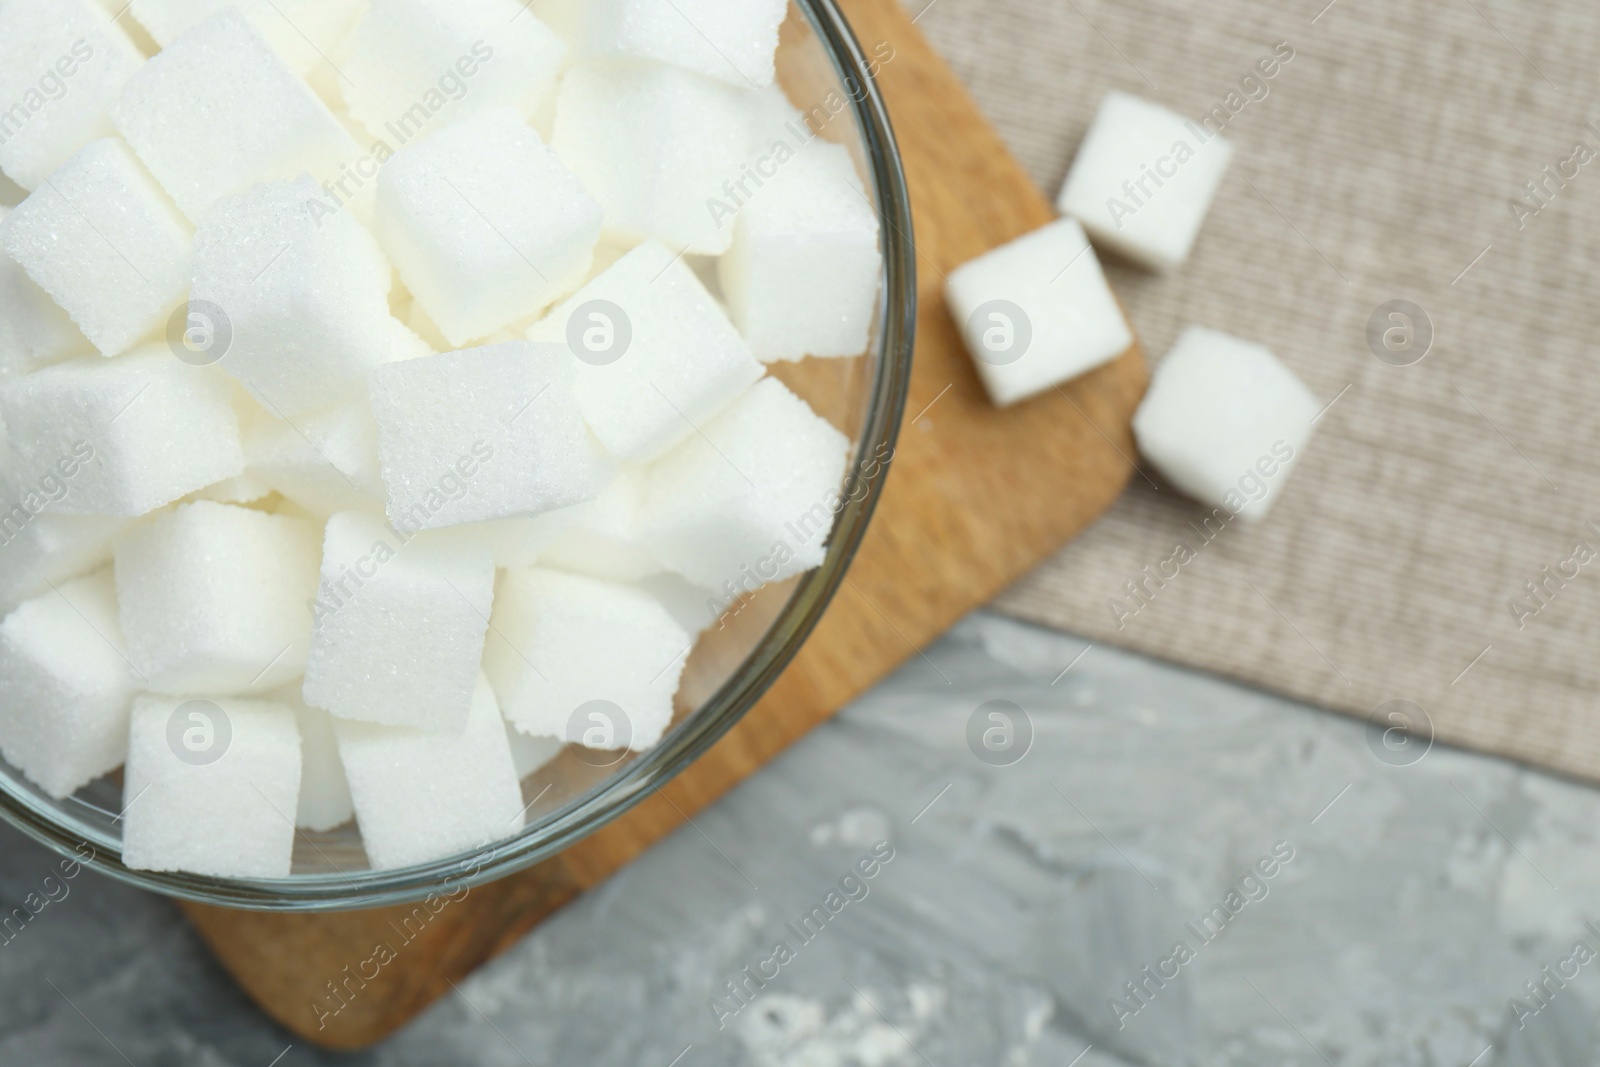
(1418,900)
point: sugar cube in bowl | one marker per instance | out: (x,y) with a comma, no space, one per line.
(400,479)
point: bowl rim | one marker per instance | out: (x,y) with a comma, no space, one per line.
(563,827)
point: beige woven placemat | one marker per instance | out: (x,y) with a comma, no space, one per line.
(1379,166)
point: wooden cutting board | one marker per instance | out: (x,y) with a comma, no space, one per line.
(975,499)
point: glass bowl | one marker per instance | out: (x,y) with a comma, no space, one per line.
(827,74)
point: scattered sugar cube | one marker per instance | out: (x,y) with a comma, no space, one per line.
(1037,312)
(211,787)
(422,796)
(325,462)
(307,34)
(598,537)
(65,686)
(655,145)
(217,111)
(1144,179)
(306,296)
(324,790)
(732,40)
(750,500)
(214,598)
(529,753)
(657,355)
(563,16)
(484,224)
(62,64)
(399,626)
(34,331)
(483,433)
(1224,421)
(562,642)
(417,64)
(127,434)
(105,242)
(801,277)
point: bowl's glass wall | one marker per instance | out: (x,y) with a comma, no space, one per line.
(829,78)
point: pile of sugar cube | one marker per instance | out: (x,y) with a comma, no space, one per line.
(385,396)
(1224,419)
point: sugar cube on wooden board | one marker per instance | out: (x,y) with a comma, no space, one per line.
(106,243)
(306,296)
(1225,421)
(1144,179)
(485,224)
(731,40)
(801,276)
(62,65)
(414,64)
(564,645)
(65,686)
(399,626)
(656,354)
(750,499)
(483,433)
(218,110)
(1037,312)
(420,796)
(211,787)
(127,435)
(654,145)
(215,599)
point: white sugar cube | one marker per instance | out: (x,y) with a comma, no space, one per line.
(1144,179)
(422,796)
(399,626)
(750,500)
(135,432)
(215,598)
(415,65)
(39,548)
(65,686)
(324,790)
(732,40)
(801,278)
(696,608)
(483,433)
(598,538)
(105,242)
(62,64)
(34,331)
(563,645)
(655,145)
(244,488)
(326,461)
(1224,421)
(306,296)
(211,787)
(484,224)
(217,111)
(308,34)
(656,354)
(529,753)
(1037,312)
